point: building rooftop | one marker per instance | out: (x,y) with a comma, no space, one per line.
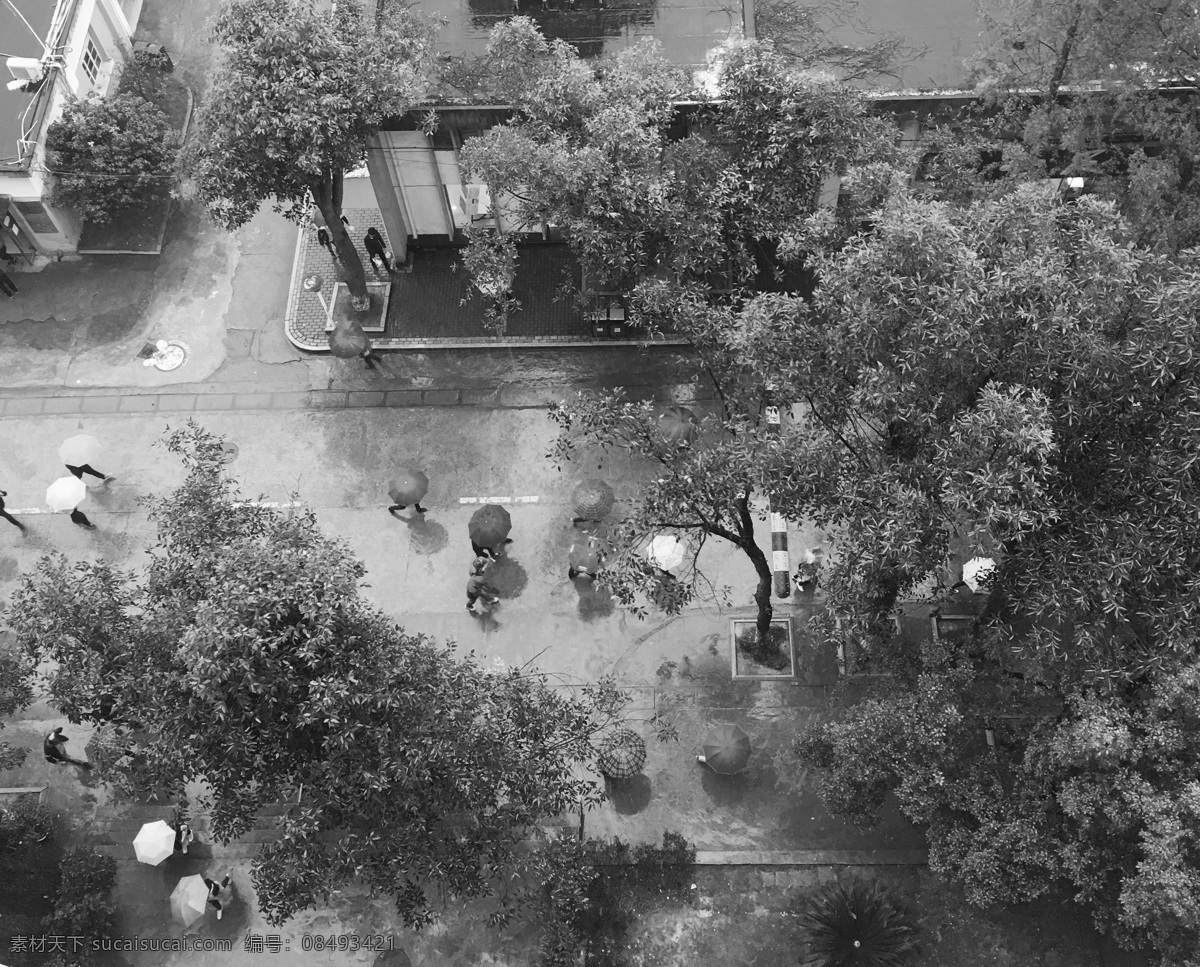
(24,26)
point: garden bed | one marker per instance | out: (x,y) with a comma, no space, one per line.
(774,658)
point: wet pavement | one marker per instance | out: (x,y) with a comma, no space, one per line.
(337,463)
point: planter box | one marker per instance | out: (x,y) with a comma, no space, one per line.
(373,319)
(745,667)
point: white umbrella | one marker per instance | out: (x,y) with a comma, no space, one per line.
(666,551)
(154,843)
(189,900)
(66,493)
(80,449)
(976,570)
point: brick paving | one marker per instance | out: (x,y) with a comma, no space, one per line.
(426,309)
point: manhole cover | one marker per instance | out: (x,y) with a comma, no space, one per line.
(229,452)
(169,358)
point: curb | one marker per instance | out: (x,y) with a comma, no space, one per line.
(194,398)
(423,342)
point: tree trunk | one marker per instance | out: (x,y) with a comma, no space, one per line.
(328,197)
(1064,55)
(762,567)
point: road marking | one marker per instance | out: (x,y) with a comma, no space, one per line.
(506,499)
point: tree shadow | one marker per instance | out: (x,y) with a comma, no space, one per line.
(507,576)
(425,536)
(721,789)
(628,796)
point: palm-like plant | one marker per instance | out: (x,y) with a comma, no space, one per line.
(857,926)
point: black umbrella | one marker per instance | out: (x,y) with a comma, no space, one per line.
(593,499)
(348,340)
(489,525)
(677,424)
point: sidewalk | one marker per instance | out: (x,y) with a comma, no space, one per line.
(431,304)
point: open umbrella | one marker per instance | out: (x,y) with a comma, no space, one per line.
(79,450)
(65,493)
(189,899)
(727,749)
(155,843)
(677,424)
(584,557)
(665,551)
(108,745)
(622,754)
(592,498)
(976,571)
(348,340)
(489,525)
(408,486)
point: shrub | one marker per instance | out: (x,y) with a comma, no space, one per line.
(857,926)
(111,155)
(23,824)
(84,906)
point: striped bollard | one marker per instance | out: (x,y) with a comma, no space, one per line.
(780,561)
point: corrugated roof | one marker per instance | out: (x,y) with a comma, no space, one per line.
(24,26)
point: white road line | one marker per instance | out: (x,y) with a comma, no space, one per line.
(237,503)
(506,499)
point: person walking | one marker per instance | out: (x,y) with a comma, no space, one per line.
(7,285)
(377,249)
(183,837)
(7,516)
(324,240)
(88,468)
(80,518)
(477,586)
(52,749)
(372,358)
(214,891)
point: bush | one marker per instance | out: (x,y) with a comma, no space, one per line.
(857,926)
(84,906)
(24,824)
(111,155)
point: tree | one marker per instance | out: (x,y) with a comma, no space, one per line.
(16,693)
(1010,376)
(111,155)
(704,491)
(594,153)
(248,655)
(298,94)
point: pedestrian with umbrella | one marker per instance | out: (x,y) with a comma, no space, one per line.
(189,899)
(77,454)
(727,750)
(584,559)
(592,501)
(488,529)
(154,843)
(622,754)
(408,487)
(678,425)
(349,340)
(67,493)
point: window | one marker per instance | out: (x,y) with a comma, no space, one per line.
(91,60)
(36,217)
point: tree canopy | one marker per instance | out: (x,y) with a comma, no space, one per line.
(248,659)
(111,155)
(296,96)
(599,154)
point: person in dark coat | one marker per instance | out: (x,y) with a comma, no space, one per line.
(214,891)
(78,472)
(6,515)
(7,285)
(376,248)
(324,239)
(52,749)
(477,586)
(80,518)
